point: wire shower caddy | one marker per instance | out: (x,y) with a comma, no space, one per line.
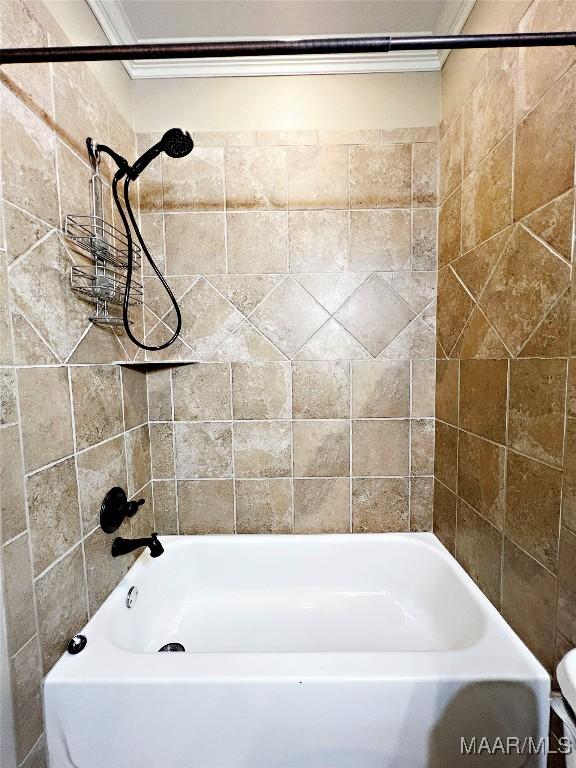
(103,282)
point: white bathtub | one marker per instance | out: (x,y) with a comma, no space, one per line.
(352,651)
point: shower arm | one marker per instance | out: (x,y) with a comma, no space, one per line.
(281,47)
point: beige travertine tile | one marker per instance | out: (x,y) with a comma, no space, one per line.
(380,447)
(12,503)
(202,392)
(287,137)
(446,455)
(143,523)
(317,177)
(150,183)
(224,138)
(38,757)
(446,390)
(380,505)
(261,390)
(247,345)
(523,576)
(54,512)
(454,307)
(165,515)
(331,289)
(380,177)
(482,476)
(424,238)
(450,229)
(207,318)
(161,450)
(479,549)
(423,382)
(409,135)
(487,196)
(322,505)
(264,506)
(26,678)
(256,178)
(29,169)
(137,459)
(97,401)
(539,68)
(19,596)
(152,228)
(62,606)
(134,397)
(257,241)
(374,315)
(47,433)
(569,487)
(544,152)
(567,586)
(99,469)
(321,390)
(422,447)
(318,241)
(379,240)
(73,182)
(159,394)
(194,182)
(289,317)
(48,304)
(7,349)
(103,572)
(445,516)
(262,449)
(99,345)
(479,340)
(424,174)
(245,291)
(553,223)
(537,406)
(421,503)
(475,267)
(533,497)
(206,506)
(380,388)
(450,157)
(203,450)
(416,342)
(365,136)
(332,342)
(321,448)
(195,243)
(483,392)
(22,231)
(524,285)
(489,112)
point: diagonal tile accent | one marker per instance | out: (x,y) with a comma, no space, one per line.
(416,288)
(416,342)
(374,315)
(207,318)
(49,304)
(247,345)
(246,292)
(551,338)
(525,284)
(553,223)
(454,306)
(332,290)
(289,317)
(156,297)
(332,342)
(29,347)
(479,340)
(475,267)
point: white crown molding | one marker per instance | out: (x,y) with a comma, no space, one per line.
(250,66)
(117,28)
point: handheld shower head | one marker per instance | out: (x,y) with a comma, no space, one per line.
(175,143)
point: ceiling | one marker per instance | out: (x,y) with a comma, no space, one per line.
(146,21)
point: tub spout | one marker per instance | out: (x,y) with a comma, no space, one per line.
(122,546)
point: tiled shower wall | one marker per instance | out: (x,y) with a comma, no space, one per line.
(505,486)
(304,264)
(72,424)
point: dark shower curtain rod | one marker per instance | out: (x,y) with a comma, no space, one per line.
(319,45)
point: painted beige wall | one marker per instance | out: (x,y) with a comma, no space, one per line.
(278,103)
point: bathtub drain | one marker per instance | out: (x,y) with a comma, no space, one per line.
(172,647)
